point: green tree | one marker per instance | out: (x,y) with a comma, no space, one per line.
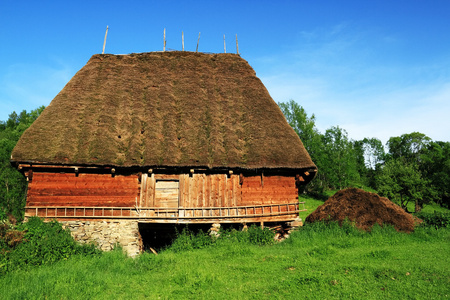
(435,165)
(409,149)
(303,125)
(408,146)
(311,138)
(370,156)
(12,183)
(402,182)
(340,160)
(333,152)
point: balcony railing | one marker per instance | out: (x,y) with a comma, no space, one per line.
(158,214)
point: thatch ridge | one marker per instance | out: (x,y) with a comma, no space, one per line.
(164,109)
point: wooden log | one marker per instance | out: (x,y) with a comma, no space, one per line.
(198,41)
(104,41)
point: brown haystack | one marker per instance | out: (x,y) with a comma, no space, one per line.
(177,109)
(365,209)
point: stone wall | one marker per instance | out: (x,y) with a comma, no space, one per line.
(106,234)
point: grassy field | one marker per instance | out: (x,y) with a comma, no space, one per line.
(318,262)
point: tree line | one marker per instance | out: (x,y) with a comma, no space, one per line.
(409,168)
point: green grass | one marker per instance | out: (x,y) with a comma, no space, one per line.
(310,204)
(318,261)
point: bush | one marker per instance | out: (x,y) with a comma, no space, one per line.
(35,243)
(435,219)
(188,240)
(260,236)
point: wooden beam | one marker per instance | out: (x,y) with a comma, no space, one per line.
(198,40)
(104,42)
(164,48)
(224,45)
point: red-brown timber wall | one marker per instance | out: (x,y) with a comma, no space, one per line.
(149,192)
(67,189)
(221,190)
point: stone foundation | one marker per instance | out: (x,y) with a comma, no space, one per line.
(106,234)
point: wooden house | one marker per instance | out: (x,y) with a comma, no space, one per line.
(164,137)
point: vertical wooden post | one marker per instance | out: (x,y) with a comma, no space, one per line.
(182,39)
(104,42)
(164,49)
(224,45)
(198,40)
(237,45)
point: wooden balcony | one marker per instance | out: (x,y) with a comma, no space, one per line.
(237,214)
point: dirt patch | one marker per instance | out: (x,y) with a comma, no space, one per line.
(365,209)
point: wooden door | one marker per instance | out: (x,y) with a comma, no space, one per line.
(167,193)
(161,191)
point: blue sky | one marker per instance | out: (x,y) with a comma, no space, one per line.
(374,68)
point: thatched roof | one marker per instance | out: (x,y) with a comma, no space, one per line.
(164,109)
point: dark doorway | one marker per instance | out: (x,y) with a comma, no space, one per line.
(160,236)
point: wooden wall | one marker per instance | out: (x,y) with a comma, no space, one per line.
(259,190)
(66,189)
(159,190)
(221,190)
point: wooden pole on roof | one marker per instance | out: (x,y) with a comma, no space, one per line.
(104,42)
(224,45)
(164,49)
(237,45)
(182,39)
(198,40)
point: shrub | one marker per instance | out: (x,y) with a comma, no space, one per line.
(188,240)
(260,236)
(435,219)
(36,243)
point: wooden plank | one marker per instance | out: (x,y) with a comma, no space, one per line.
(186,181)
(162,184)
(82,200)
(115,202)
(208,191)
(167,176)
(55,177)
(150,194)
(229,191)
(166,193)
(216,189)
(194,197)
(236,190)
(220,196)
(84,192)
(182,194)
(201,190)
(143,190)
(225,190)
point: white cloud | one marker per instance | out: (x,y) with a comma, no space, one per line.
(423,108)
(344,79)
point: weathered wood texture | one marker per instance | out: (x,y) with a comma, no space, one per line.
(216,190)
(268,190)
(66,189)
(162,197)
